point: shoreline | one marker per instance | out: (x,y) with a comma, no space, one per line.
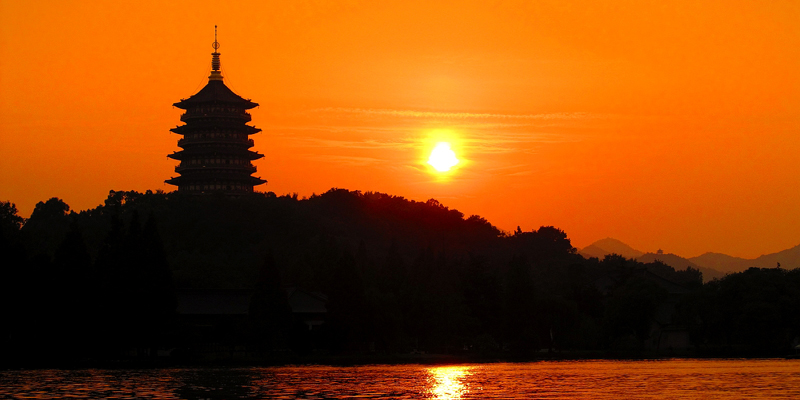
(344,360)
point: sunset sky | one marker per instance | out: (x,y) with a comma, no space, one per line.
(665,124)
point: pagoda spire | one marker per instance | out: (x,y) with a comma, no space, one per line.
(216,74)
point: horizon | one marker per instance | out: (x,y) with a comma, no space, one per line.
(669,126)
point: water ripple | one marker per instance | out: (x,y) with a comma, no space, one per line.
(668,379)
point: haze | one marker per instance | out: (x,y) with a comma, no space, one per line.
(668,125)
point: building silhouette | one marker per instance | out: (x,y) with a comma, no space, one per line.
(215,155)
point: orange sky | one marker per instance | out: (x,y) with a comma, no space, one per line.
(672,125)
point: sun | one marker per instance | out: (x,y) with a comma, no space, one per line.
(442,157)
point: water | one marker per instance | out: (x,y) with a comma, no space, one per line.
(667,379)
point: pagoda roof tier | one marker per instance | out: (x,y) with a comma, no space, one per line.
(211,142)
(245,169)
(215,152)
(215,92)
(215,127)
(216,175)
(186,180)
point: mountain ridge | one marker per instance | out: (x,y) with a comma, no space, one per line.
(713,265)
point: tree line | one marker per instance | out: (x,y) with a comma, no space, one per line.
(400,276)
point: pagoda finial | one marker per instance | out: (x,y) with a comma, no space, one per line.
(216,75)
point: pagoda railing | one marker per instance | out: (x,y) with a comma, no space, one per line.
(236,167)
(218,114)
(207,140)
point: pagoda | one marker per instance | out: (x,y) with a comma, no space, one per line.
(216,155)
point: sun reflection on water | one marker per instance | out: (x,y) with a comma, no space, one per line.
(448,382)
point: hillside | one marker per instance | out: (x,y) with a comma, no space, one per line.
(788,259)
(713,265)
(680,264)
(603,247)
(402,274)
(600,248)
(721,262)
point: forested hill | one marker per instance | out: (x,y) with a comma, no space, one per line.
(220,241)
(400,274)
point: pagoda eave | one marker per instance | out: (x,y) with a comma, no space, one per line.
(181,180)
(185,129)
(215,152)
(186,104)
(215,93)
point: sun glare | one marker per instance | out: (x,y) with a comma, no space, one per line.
(442,157)
(448,382)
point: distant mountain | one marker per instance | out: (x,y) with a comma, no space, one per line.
(680,264)
(721,262)
(713,265)
(606,246)
(788,259)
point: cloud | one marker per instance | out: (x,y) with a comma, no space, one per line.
(391,140)
(347,160)
(367,144)
(388,138)
(454,115)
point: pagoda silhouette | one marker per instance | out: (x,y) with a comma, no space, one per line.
(216,155)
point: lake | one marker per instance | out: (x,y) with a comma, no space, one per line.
(592,379)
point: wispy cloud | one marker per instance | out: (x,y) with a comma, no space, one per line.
(476,140)
(455,115)
(347,160)
(490,144)
(358,144)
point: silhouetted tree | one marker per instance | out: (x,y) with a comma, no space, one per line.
(631,307)
(46,227)
(348,318)
(269,307)
(159,291)
(74,292)
(481,289)
(521,320)
(392,272)
(14,282)
(756,311)
(10,222)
